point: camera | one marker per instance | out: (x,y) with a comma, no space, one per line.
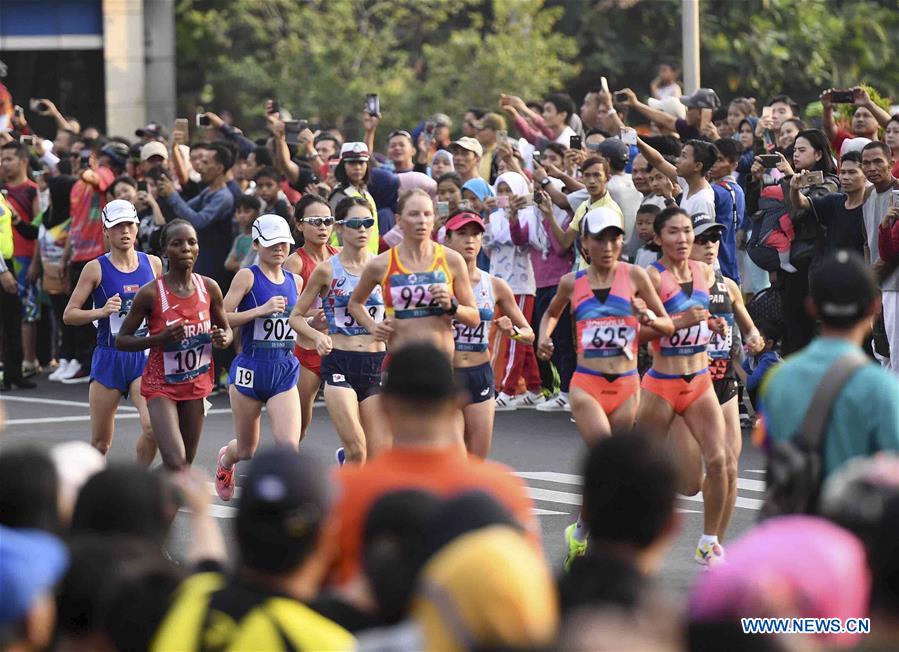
(575,142)
(621,97)
(28,141)
(373,105)
(203,120)
(842,97)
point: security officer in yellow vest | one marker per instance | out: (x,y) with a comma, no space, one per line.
(10,307)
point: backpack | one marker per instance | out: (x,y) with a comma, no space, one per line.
(764,221)
(796,465)
(767,304)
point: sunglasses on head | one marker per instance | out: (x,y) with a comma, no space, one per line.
(705,239)
(318,221)
(357,222)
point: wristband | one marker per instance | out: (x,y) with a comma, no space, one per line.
(516,333)
(545,182)
(454,306)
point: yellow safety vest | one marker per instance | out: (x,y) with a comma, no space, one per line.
(6,244)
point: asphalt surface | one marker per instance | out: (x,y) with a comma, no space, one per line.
(544,448)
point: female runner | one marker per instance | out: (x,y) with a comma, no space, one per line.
(679,383)
(266,371)
(186,319)
(425,285)
(471,359)
(725,302)
(113,280)
(610,300)
(351,356)
(315,224)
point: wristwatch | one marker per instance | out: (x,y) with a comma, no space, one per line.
(545,182)
(454,306)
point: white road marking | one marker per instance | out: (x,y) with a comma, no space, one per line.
(549,495)
(54,401)
(746,503)
(551,476)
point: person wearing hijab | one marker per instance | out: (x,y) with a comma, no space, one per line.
(511,262)
(441,164)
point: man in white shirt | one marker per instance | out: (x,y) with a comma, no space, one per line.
(696,159)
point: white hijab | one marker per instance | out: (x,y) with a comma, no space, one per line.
(528,216)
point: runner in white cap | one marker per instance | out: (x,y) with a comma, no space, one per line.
(265,372)
(112,281)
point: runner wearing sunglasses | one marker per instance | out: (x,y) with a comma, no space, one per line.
(351,356)
(679,383)
(314,226)
(266,371)
(471,360)
(725,302)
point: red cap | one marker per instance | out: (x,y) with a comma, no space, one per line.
(458,220)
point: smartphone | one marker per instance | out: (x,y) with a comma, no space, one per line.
(621,97)
(842,96)
(575,142)
(502,137)
(895,199)
(706,117)
(373,105)
(811,178)
(537,197)
(274,108)
(292,131)
(429,133)
(535,158)
(142,186)
(443,209)
(604,84)
(38,106)
(465,205)
(628,136)
(203,120)
(502,201)
(769,160)
(528,199)
(182,126)
(28,141)
(767,111)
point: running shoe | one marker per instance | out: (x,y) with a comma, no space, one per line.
(224,478)
(557,403)
(66,369)
(709,555)
(575,548)
(505,402)
(340,454)
(30,369)
(528,400)
(78,375)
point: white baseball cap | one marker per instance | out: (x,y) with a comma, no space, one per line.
(600,219)
(271,229)
(118,211)
(670,105)
(154,148)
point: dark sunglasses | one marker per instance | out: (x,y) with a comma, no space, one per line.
(705,239)
(357,222)
(318,221)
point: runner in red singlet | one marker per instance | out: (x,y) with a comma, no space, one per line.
(186,318)
(314,222)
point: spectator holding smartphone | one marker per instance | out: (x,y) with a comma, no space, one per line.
(866,120)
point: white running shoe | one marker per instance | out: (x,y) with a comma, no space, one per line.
(61,370)
(528,400)
(77,375)
(557,403)
(505,402)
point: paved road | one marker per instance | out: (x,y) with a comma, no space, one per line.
(544,449)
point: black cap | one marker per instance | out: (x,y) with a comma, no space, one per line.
(616,151)
(420,372)
(843,288)
(152,130)
(703,222)
(281,507)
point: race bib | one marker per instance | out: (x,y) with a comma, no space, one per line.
(116,320)
(720,346)
(604,338)
(345,323)
(244,377)
(471,339)
(185,360)
(273,332)
(687,341)
(411,295)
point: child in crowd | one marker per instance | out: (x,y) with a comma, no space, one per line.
(246,210)
(268,190)
(649,252)
(449,197)
(755,367)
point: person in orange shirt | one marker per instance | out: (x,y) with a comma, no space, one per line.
(419,397)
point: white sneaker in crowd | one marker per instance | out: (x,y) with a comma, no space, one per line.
(528,400)
(77,374)
(505,402)
(62,370)
(557,403)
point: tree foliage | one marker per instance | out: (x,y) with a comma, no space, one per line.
(320,57)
